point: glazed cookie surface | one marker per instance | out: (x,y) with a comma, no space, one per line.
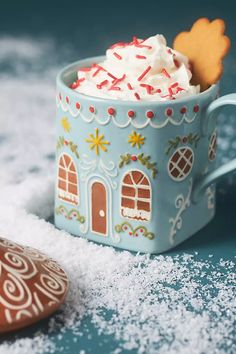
(32,286)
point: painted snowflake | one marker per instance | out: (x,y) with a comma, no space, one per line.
(97,142)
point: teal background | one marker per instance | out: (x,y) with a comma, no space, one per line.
(82,29)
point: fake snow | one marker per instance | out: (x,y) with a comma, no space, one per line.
(164,304)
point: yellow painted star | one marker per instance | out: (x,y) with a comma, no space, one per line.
(136,139)
(65,124)
(97,142)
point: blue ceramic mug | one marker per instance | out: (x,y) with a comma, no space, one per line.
(135,175)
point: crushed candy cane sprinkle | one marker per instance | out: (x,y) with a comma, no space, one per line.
(145,70)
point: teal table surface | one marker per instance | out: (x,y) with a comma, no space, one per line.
(217,239)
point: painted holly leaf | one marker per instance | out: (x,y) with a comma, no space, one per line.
(205,45)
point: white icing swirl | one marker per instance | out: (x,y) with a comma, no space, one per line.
(146,70)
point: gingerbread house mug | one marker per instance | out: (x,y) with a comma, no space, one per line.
(138,176)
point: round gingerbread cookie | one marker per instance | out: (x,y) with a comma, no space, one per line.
(32,286)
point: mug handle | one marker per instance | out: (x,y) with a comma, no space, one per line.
(204,182)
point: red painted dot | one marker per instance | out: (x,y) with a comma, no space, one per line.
(158,91)
(169,112)
(111,111)
(149,114)
(183,110)
(141,230)
(196,108)
(60,96)
(67,99)
(92,109)
(77,105)
(134,158)
(131,114)
(130,233)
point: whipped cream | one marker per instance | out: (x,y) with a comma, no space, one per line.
(146,70)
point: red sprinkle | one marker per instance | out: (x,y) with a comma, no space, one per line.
(99,86)
(158,90)
(138,44)
(144,73)
(77,105)
(177,64)
(170,91)
(118,44)
(141,56)
(137,96)
(77,83)
(99,68)
(129,86)
(115,88)
(115,82)
(196,108)
(165,72)
(180,89)
(165,96)
(85,69)
(117,56)
(112,76)
(149,88)
(67,99)
(92,109)
(174,85)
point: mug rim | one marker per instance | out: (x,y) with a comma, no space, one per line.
(78,95)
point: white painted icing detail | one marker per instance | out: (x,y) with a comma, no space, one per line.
(130,121)
(210,192)
(101,213)
(181,203)
(135,214)
(212,146)
(68,196)
(107,169)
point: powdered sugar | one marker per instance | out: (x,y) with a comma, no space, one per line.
(165,304)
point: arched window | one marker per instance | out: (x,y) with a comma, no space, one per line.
(136,196)
(67,180)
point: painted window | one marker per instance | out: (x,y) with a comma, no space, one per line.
(136,196)
(67,180)
(180,163)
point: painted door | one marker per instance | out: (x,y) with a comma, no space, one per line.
(99,208)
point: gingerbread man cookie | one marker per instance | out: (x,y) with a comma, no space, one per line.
(205,45)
